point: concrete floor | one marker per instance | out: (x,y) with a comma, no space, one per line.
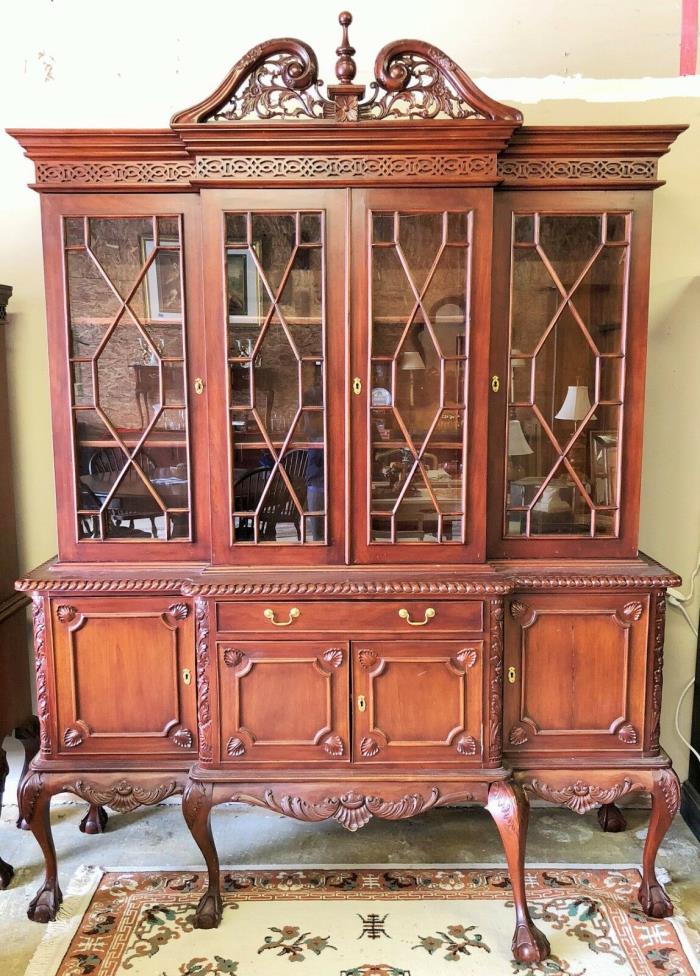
(157,837)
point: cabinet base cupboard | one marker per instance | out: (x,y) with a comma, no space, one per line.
(347,402)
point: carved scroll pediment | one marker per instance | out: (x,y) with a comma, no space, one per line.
(278,80)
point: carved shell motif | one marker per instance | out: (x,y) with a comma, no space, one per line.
(334,746)
(179,611)
(333,657)
(233,657)
(517,736)
(235,747)
(66,613)
(368,659)
(633,610)
(466,745)
(467,657)
(183,738)
(627,733)
(369,746)
(72,737)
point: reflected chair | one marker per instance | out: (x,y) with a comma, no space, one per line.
(110,461)
(278,506)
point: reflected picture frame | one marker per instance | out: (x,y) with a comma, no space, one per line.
(163,280)
(243,297)
(604,466)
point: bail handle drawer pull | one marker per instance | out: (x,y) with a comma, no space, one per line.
(405,615)
(269,614)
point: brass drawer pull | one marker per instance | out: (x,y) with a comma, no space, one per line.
(405,615)
(293,614)
(187,676)
(361,703)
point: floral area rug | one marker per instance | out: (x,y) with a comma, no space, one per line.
(390,921)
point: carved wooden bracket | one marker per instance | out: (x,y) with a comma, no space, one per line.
(279,80)
(235,747)
(334,746)
(351,810)
(66,614)
(123,796)
(581,796)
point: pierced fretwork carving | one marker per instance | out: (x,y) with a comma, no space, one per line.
(279,80)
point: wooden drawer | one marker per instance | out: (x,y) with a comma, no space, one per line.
(299,617)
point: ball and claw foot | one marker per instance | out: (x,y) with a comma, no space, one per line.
(611,819)
(654,900)
(45,904)
(209,911)
(94,821)
(529,944)
(6,874)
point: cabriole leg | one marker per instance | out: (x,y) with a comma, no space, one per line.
(665,800)
(28,735)
(6,870)
(94,821)
(196,809)
(611,819)
(35,808)
(509,808)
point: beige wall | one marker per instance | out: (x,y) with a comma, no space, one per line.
(153,58)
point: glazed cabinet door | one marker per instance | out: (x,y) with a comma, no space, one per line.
(283,701)
(419,384)
(418,701)
(569,310)
(123,284)
(575,673)
(275,269)
(125,676)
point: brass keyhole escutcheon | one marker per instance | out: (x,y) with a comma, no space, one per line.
(187,676)
(511,675)
(405,615)
(199,386)
(361,703)
(357,386)
(495,383)
(269,614)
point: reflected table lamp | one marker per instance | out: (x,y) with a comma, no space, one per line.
(517,447)
(411,360)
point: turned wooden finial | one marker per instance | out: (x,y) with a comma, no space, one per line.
(345,67)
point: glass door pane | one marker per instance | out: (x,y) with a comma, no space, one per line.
(126,325)
(276,347)
(419,280)
(568,321)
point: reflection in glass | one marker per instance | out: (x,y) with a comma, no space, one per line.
(126,330)
(419,303)
(567,323)
(276,339)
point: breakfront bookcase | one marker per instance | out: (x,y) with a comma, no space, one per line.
(347,403)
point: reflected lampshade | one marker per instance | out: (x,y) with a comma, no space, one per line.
(576,404)
(517,442)
(411,360)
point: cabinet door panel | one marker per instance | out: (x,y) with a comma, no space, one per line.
(283,701)
(576,673)
(124,676)
(275,347)
(123,277)
(418,701)
(419,360)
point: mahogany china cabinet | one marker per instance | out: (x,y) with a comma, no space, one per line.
(347,402)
